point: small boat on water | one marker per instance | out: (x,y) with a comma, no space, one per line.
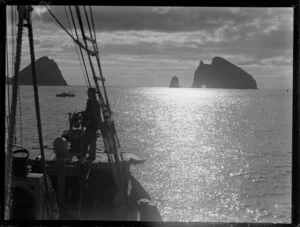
(59,183)
(65,94)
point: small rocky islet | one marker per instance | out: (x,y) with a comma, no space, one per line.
(219,74)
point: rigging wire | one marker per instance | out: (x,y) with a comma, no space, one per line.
(11,130)
(95,45)
(20,113)
(13,28)
(67,18)
(62,26)
(99,119)
(7,78)
(75,28)
(106,106)
(110,138)
(89,28)
(88,22)
(83,60)
(101,75)
(77,42)
(13,19)
(37,105)
(114,140)
(89,52)
(89,57)
(19,94)
(15,31)
(92,19)
(84,75)
(114,165)
(102,103)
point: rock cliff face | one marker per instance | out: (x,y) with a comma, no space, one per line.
(47,72)
(174,82)
(222,74)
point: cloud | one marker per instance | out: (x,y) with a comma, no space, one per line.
(39,10)
(162,38)
(162,10)
(112,18)
(259,31)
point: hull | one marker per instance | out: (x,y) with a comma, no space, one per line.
(90,192)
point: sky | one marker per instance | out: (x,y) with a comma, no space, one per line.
(146,46)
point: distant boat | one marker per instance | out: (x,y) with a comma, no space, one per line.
(65,94)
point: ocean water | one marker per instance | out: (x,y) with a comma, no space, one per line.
(211,155)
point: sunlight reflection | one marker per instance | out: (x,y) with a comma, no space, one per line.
(183,95)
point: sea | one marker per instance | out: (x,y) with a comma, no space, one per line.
(212,155)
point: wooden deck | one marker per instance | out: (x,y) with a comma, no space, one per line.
(101,161)
(99,199)
(101,158)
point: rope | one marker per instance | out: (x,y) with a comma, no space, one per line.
(61,25)
(84,75)
(110,135)
(19,93)
(95,49)
(12,122)
(37,106)
(101,75)
(83,72)
(103,85)
(89,57)
(71,13)
(92,19)
(20,113)
(111,132)
(93,71)
(114,135)
(13,32)
(117,169)
(14,41)
(7,84)
(88,22)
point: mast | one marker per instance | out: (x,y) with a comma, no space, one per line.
(3,80)
(12,119)
(24,13)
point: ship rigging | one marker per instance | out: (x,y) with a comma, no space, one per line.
(60,184)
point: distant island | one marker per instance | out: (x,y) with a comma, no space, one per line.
(174,82)
(222,74)
(48,74)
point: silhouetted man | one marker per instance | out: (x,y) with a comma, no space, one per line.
(91,122)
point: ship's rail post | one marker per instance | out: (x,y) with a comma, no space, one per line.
(61,149)
(146,211)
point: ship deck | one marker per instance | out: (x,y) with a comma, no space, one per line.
(99,199)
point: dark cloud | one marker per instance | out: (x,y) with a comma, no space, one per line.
(231,30)
(112,18)
(242,55)
(258,39)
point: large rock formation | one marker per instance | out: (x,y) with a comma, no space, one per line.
(47,72)
(174,82)
(222,74)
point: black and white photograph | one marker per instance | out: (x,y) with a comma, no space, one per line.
(148,113)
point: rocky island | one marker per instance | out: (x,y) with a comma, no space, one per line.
(47,73)
(222,74)
(174,82)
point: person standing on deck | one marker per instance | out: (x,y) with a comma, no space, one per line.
(91,122)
